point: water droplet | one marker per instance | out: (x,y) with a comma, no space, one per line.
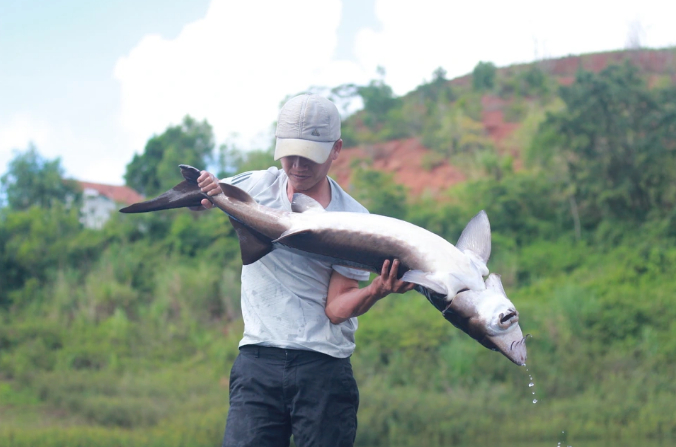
(531,385)
(535,401)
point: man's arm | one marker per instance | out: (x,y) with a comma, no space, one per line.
(346,300)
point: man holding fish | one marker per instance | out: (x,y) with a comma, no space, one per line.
(299,296)
(293,375)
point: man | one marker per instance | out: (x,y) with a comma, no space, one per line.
(293,374)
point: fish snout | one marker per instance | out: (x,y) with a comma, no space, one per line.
(512,345)
(517,351)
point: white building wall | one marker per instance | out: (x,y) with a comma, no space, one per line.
(96,209)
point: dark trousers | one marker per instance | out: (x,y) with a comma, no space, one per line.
(276,393)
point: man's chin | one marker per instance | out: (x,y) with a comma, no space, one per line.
(301,184)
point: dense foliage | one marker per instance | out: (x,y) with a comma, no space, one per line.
(32,180)
(189,143)
(125,336)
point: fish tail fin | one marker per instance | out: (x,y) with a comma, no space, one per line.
(185,194)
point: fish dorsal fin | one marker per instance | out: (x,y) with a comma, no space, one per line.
(306,204)
(495,283)
(426,280)
(235,193)
(252,244)
(189,173)
(477,237)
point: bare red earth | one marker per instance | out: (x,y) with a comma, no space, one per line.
(404,158)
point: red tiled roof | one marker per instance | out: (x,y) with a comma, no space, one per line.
(118,194)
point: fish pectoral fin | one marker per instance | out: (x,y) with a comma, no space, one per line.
(425,279)
(252,244)
(494,282)
(305,204)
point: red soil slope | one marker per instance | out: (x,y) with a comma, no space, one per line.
(404,158)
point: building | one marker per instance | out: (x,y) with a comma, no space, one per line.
(99,201)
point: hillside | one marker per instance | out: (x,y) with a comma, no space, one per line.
(125,336)
(501,116)
(405,159)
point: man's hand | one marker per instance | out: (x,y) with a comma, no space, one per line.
(208,183)
(345,299)
(387,282)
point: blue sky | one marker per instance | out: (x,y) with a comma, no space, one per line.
(56,65)
(90,82)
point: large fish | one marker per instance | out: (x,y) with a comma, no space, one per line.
(451,277)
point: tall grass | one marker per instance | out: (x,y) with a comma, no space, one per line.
(119,353)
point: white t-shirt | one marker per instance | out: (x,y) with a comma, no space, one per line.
(284,293)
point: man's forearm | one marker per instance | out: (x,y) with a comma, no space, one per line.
(346,300)
(351,303)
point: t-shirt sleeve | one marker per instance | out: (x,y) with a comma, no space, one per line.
(359,275)
(253,181)
(243,180)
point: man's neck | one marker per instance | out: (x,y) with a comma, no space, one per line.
(321,192)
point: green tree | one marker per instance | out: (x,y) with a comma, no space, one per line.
(382,117)
(154,171)
(32,180)
(378,192)
(483,76)
(232,160)
(438,90)
(615,140)
(379,100)
(34,243)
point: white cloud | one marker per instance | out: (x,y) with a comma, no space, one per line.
(233,67)
(416,38)
(82,157)
(20,130)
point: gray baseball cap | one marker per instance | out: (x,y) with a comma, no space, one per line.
(308,126)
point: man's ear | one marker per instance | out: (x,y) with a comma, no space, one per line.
(337,146)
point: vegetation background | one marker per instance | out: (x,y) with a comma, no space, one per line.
(124,336)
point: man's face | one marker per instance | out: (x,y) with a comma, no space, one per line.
(305,174)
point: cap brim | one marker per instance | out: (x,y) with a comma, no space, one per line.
(317,151)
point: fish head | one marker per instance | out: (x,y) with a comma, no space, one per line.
(490,318)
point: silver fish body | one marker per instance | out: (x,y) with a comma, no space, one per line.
(451,277)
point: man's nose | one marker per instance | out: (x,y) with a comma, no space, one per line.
(299,162)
